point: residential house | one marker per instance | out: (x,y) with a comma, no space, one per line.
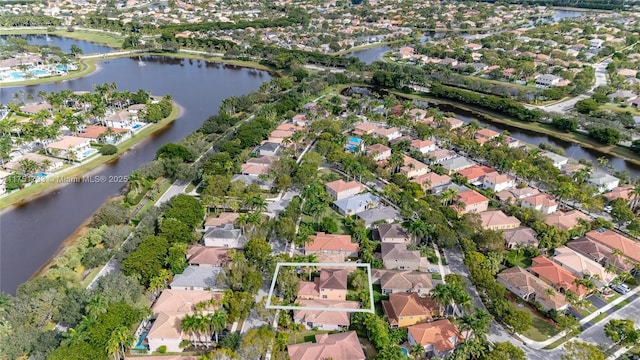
(596,43)
(431,181)
(330,285)
(485,135)
(258,166)
(389,134)
(99,134)
(402,281)
(620,192)
(396,256)
(621,94)
(197,278)
(169,310)
(515,195)
(417,114)
(603,181)
(71,147)
(406,309)
(222,219)
(199,255)
(571,169)
(581,266)
(379,152)
(268,149)
(380,214)
(340,189)
(423,146)
(405,52)
(470,202)
(440,155)
(474,174)
(120,120)
(325,320)
(456,164)
(541,202)
(225,236)
(547,80)
(263,184)
(520,237)
(364,129)
(356,204)
(393,233)
(565,220)
(615,241)
(32,109)
(413,168)
(47,163)
(557,276)
(498,182)
(497,220)
(340,346)
(331,244)
(532,289)
(439,338)
(604,255)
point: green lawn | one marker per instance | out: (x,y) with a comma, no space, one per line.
(619,109)
(305,336)
(342,230)
(541,328)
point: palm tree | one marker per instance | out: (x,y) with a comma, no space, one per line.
(218,322)
(635,196)
(190,324)
(476,323)
(417,351)
(441,295)
(96,306)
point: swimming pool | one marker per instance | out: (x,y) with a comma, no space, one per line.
(140,344)
(39,72)
(40,175)
(88,152)
(405,352)
(136,126)
(352,147)
(355,140)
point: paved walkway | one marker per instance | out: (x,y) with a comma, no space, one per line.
(586,320)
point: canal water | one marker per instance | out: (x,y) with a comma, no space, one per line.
(63,43)
(31,233)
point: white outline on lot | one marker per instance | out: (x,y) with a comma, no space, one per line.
(371,310)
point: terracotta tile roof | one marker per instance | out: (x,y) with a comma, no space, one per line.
(429,180)
(628,247)
(332,242)
(540,199)
(325,317)
(203,255)
(556,275)
(623,192)
(341,346)
(419,144)
(565,220)
(405,304)
(333,279)
(497,218)
(475,172)
(222,219)
(402,279)
(486,133)
(340,185)
(377,148)
(66,142)
(471,197)
(94,132)
(172,300)
(438,334)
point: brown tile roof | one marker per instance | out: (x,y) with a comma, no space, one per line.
(437,333)
(524,236)
(222,219)
(340,346)
(203,255)
(493,218)
(600,253)
(429,180)
(404,304)
(471,197)
(333,279)
(565,220)
(340,185)
(628,247)
(94,131)
(556,275)
(66,142)
(331,242)
(623,192)
(173,300)
(524,281)
(402,279)
(540,199)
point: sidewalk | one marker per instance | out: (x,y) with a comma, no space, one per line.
(618,353)
(541,344)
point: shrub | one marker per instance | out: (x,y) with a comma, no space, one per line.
(162,349)
(108,149)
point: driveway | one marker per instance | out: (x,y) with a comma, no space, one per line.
(597,301)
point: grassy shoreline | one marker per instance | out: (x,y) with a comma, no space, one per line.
(36,190)
(99,37)
(618,151)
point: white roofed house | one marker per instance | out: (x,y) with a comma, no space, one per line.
(558,160)
(121,120)
(225,236)
(498,182)
(603,181)
(71,148)
(547,80)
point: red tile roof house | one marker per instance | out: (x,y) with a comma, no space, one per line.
(475,173)
(541,202)
(557,276)
(96,133)
(623,192)
(530,288)
(424,146)
(470,202)
(379,152)
(340,189)
(483,136)
(340,346)
(406,309)
(439,338)
(74,145)
(498,182)
(325,320)
(364,129)
(207,256)
(613,240)
(331,244)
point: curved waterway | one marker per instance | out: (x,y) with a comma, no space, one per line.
(32,232)
(63,43)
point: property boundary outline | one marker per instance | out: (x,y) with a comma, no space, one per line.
(367,266)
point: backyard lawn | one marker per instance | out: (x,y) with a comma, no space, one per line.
(305,336)
(518,259)
(329,212)
(541,328)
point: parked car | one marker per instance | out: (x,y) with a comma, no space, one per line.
(608,208)
(621,288)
